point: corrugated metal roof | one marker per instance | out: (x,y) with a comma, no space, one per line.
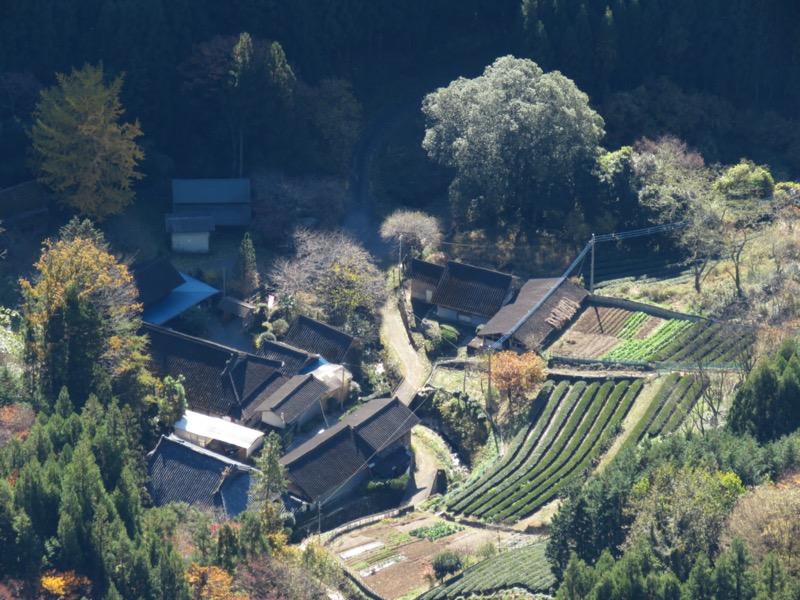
(211,191)
(188,223)
(218,429)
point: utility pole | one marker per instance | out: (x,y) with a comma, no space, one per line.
(591,276)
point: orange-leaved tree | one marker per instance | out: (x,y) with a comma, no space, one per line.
(515,375)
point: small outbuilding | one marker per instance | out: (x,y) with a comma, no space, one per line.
(424,277)
(225,437)
(190,233)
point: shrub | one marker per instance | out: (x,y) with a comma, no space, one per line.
(446,563)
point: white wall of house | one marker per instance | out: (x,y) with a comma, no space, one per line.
(196,242)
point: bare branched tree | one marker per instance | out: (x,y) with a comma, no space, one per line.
(413,230)
(333,275)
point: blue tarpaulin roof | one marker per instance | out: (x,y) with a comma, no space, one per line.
(182,298)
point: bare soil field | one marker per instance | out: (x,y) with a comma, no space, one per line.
(394,568)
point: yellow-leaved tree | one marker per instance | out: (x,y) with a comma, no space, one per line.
(81,313)
(80,149)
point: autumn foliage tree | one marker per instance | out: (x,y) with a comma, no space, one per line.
(80,149)
(515,375)
(81,312)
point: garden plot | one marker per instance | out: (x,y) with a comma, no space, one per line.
(617,334)
(392,569)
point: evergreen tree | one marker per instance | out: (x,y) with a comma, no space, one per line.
(733,579)
(269,480)
(246,267)
(226,551)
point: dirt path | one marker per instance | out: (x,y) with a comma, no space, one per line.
(425,468)
(413,367)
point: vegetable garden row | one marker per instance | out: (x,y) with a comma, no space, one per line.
(636,350)
(526,568)
(577,422)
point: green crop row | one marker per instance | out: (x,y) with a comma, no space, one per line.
(569,441)
(633,325)
(670,405)
(551,446)
(552,440)
(686,405)
(436,531)
(655,405)
(550,480)
(613,414)
(641,350)
(525,567)
(692,339)
(517,454)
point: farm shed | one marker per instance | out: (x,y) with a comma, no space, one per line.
(336,462)
(189,233)
(219,435)
(555,302)
(226,201)
(232,308)
(424,277)
(469,294)
(179,471)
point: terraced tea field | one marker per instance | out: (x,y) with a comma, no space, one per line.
(577,421)
(526,568)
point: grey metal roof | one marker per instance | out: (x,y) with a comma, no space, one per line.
(529,296)
(210,191)
(188,223)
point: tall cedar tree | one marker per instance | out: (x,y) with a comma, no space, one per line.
(80,149)
(247,268)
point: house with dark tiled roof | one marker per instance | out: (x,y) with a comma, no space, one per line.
(542,307)
(296,402)
(243,387)
(366,443)
(294,359)
(424,277)
(469,294)
(180,471)
(334,345)
(165,292)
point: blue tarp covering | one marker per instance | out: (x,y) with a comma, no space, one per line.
(182,298)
